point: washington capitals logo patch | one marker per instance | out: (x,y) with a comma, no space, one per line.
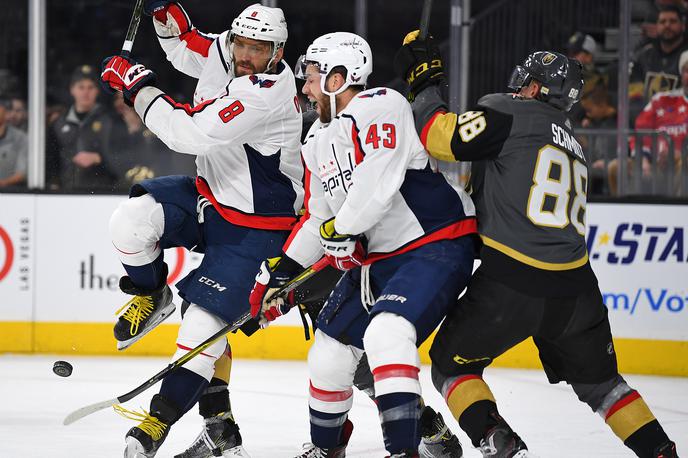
(262,83)
(378,92)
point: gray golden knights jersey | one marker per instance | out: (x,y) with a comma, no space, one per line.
(531,196)
(528,179)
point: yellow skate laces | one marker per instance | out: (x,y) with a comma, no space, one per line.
(141,307)
(149,424)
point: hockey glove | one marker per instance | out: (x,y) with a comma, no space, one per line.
(170,19)
(273,274)
(344,251)
(419,63)
(150,7)
(124,74)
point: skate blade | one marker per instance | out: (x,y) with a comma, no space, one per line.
(162,316)
(236,452)
(134,449)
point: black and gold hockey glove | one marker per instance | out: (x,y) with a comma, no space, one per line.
(419,63)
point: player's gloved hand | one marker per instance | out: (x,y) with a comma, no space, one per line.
(170,18)
(273,274)
(419,63)
(344,251)
(124,74)
(150,7)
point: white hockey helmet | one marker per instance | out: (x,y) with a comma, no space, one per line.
(260,22)
(338,49)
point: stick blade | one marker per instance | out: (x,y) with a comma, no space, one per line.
(78,414)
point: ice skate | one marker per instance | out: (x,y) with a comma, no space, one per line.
(144,440)
(667,450)
(220,437)
(143,312)
(437,440)
(312,451)
(502,442)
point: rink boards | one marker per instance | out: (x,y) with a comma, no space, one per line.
(59,274)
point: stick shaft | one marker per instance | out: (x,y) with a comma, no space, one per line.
(173,366)
(133,27)
(425,19)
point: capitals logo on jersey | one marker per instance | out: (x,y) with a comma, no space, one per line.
(373,94)
(337,173)
(261,82)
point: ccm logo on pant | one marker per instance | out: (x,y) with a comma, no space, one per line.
(212,283)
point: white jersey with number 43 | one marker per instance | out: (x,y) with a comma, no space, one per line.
(369,169)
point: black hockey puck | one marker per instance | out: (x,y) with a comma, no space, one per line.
(62,368)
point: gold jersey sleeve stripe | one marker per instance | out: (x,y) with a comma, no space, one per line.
(517,255)
(437,136)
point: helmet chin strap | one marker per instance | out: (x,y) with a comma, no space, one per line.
(275,48)
(230,46)
(332,95)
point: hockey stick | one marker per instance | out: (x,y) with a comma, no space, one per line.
(425,19)
(92,408)
(133,28)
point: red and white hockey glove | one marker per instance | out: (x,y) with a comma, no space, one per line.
(170,19)
(124,74)
(343,251)
(273,274)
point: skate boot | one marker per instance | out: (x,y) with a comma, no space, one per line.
(437,441)
(312,451)
(144,440)
(502,442)
(144,312)
(667,450)
(220,437)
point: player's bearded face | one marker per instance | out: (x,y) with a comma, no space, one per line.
(250,56)
(311,89)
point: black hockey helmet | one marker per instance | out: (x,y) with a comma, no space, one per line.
(560,76)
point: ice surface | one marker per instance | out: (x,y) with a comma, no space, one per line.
(269,400)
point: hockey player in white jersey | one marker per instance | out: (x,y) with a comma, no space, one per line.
(244,128)
(377,209)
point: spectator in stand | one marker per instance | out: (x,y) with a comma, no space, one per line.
(645,12)
(654,68)
(141,155)
(17,114)
(13,150)
(666,112)
(582,47)
(598,114)
(79,140)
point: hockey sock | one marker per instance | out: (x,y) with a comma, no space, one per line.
(183,388)
(326,428)
(472,404)
(632,421)
(400,413)
(215,399)
(148,276)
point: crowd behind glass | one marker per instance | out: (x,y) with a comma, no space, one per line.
(96,143)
